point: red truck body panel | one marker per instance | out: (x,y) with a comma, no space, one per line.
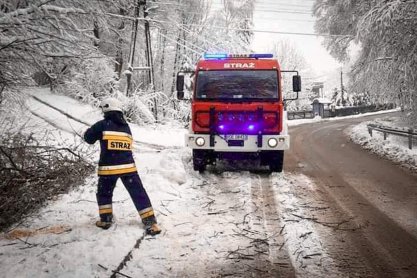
(237,113)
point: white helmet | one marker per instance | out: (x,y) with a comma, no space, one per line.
(111,104)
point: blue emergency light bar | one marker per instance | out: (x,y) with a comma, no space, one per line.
(221,56)
(209,56)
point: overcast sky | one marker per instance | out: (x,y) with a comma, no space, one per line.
(274,17)
(291,16)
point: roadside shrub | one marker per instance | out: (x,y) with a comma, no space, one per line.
(88,80)
(33,171)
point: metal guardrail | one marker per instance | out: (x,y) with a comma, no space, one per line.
(338,112)
(405,132)
(296,115)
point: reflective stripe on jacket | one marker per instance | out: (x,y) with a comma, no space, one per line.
(116,169)
(116,145)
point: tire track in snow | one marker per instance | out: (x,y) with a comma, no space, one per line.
(303,240)
(262,251)
(244,243)
(128,257)
(202,238)
(267,214)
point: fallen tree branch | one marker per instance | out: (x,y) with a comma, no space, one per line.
(217,212)
(333,225)
(282,229)
(127,258)
(305,234)
(9,157)
(114,271)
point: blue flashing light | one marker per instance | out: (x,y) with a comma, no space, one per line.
(251,127)
(215,56)
(261,55)
(221,56)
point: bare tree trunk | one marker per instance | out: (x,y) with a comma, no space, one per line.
(1,92)
(176,62)
(162,46)
(96,32)
(119,52)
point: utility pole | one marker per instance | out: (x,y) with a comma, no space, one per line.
(342,88)
(149,60)
(148,53)
(133,38)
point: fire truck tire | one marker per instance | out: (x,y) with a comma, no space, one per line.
(276,161)
(199,160)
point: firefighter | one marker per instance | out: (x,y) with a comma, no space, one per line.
(116,161)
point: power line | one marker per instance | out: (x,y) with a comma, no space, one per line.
(277,3)
(198,36)
(275,32)
(195,34)
(266,5)
(183,45)
(236,29)
(278,9)
(282,11)
(281,19)
(263,9)
(263,17)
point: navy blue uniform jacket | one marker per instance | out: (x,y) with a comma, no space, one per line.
(116,144)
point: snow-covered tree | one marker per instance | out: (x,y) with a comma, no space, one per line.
(290,58)
(288,55)
(73,43)
(184,30)
(34,34)
(385,32)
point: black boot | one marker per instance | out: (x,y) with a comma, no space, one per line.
(105,222)
(151,226)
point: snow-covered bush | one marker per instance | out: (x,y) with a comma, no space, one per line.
(384,34)
(137,108)
(177,110)
(34,168)
(89,80)
(11,105)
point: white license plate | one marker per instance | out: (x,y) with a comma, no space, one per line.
(236,137)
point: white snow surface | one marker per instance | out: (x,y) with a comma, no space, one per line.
(199,214)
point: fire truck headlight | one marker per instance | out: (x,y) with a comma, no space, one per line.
(199,141)
(272,142)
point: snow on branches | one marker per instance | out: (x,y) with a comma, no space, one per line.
(385,32)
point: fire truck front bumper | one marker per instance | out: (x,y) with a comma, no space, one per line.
(237,143)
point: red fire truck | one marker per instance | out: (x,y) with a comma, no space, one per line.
(238,110)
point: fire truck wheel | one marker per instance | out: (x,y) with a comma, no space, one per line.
(276,161)
(199,160)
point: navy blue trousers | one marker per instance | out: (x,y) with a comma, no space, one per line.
(133,184)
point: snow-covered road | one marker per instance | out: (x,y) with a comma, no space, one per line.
(235,224)
(223,223)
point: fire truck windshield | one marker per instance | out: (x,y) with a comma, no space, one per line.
(238,85)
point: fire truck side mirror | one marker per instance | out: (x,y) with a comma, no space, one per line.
(180,86)
(296,83)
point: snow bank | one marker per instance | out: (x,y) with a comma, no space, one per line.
(394,148)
